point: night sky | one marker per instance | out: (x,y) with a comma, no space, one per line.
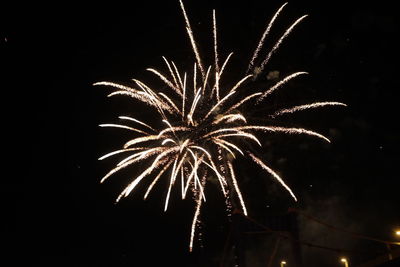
(58,214)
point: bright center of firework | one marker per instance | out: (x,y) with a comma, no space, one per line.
(204,128)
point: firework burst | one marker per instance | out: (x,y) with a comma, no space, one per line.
(203,125)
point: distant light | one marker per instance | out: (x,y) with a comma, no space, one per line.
(344,260)
(283,263)
(398,232)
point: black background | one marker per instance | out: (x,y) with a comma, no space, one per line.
(58,214)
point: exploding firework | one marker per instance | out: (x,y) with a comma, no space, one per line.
(203,127)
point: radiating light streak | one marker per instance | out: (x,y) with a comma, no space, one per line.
(120,151)
(172,129)
(177,75)
(265,34)
(241,102)
(280,84)
(171,182)
(145,98)
(206,80)
(152,99)
(221,144)
(237,189)
(285,130)
(230,145)
(193,175)
(191,37)
(123,127)
(225,63)
(170,102)
(137,121)
(215,42)
(193,108)
(213,167)
(132,161)
(223,130)
(116,85)
(184,97)
(216,64)
(220,102)
(173,76)
(230,118)
(175,171)
(143,154)
(274,174)
(242,134)
(136,181)
(195,79)
(168,140)
(239,83)
(277,44)
(161,106)
(182,181)
(165,80)
(143,139)
(194,222)
(305,107)
(156,179)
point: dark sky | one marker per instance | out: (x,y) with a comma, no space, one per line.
(58,214)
